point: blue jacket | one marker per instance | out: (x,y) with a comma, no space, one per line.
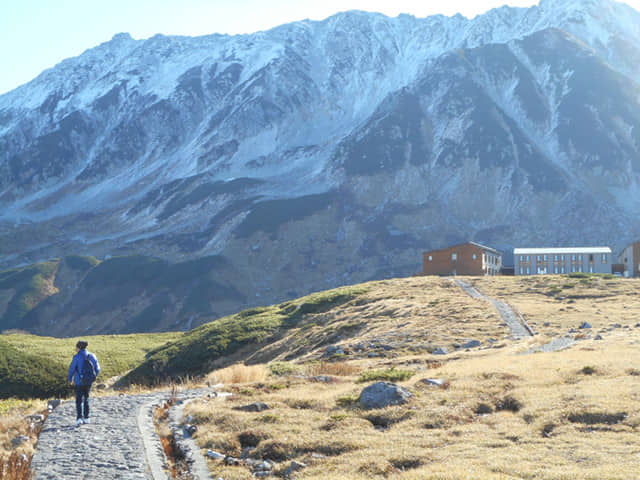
(76,365)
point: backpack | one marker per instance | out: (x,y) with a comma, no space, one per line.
(87,372)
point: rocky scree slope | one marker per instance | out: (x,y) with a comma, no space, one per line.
(333,151)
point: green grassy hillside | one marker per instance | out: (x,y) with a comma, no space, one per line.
(214,343)
(33,366)
(26,375)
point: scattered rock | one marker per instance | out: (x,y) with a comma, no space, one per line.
(324,379)
(617,325)
(229,460)
(294,467)
(584,325)
(263,469)
(547,324)
(472,344)
(433,382)
(191,429)
(440,351)
(101,386)
(215,455)
(36,418)
(383,394)
(52,404)
(598,337)
(333,350)
(254,407)
(19,440)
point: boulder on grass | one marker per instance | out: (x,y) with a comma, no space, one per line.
(383,394)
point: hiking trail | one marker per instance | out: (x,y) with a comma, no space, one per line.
(120,442)
(516,323)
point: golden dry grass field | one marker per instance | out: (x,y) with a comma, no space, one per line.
(502,413)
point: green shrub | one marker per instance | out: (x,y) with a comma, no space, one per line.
(387,375)
(346,401)
(280,369)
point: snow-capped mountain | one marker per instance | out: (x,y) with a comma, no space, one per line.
(321,153)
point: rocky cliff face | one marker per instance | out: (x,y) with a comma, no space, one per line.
(323,153)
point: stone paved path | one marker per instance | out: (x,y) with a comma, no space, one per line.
(118,443)
(511,318)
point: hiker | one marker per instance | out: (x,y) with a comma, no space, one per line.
(83,371)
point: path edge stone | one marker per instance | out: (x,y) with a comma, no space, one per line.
(197,464)
(154,453)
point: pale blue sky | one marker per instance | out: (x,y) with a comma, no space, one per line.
(37,34)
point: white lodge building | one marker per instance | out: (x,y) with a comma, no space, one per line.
(549,261)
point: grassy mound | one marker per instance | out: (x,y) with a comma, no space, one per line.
(195,351)
(25,375)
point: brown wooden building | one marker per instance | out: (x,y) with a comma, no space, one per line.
(465,259)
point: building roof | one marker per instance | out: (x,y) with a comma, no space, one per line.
(483,247)
(564,250)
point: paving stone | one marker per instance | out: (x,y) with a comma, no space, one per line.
(118,443)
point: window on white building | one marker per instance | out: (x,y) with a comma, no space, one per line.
(604,258)
(454,256)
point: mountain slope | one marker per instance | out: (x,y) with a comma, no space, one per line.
(324,153)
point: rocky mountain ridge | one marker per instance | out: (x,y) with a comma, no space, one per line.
(323,153)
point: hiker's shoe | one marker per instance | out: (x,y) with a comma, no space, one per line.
(78,422)
(86,420)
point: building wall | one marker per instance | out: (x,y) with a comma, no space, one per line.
(551,264)
(630,258)
(466,259)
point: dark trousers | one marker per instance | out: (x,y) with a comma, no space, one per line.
(82,400)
